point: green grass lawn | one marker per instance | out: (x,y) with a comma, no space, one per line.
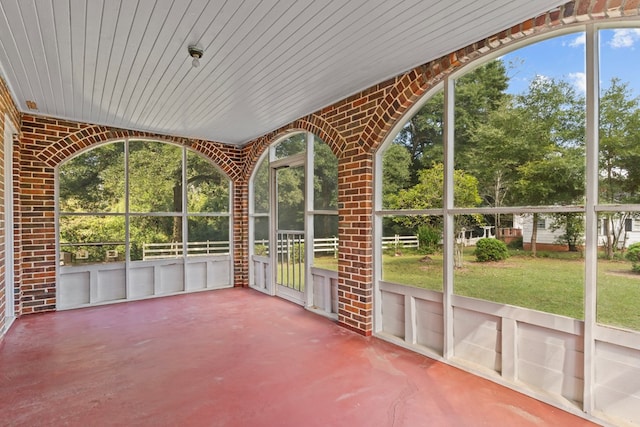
(553,282)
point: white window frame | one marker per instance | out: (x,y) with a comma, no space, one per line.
(127,214)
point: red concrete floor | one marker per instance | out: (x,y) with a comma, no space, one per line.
(235,358)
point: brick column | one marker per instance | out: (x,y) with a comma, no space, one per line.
(355,254)
(37,224)
(240,200)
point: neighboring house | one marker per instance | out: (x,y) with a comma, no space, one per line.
(548,238)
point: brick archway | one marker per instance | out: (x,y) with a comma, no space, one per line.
(224,156)
(253,151)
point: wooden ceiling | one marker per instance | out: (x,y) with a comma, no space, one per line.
(266,63)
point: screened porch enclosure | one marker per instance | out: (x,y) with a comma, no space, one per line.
(139,219)
(480,207)
(550,165)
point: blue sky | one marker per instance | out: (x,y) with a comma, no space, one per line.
(564,58)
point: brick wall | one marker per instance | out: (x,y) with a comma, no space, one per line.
(354,128)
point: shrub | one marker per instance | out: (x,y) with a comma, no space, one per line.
(297,252)
(490,250)
(428,239)
(516,243)
(633,255)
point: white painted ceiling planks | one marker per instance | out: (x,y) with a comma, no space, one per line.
(125,63)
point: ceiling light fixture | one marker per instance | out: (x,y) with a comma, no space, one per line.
(196,53)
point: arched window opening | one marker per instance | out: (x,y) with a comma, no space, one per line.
(516,229)
(518,174)
(130,207)
(412,194)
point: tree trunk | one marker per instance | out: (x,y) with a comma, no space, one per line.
(497,203)
(176,234)
(609,237)
(534,235)
(457,255)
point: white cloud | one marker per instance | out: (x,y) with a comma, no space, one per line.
(578,41)
(579,81)
(542,78)
(625,37)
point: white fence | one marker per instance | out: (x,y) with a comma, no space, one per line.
(324,245)
(174,250)
(400,242)
(330,244)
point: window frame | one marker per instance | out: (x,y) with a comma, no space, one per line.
(128,215)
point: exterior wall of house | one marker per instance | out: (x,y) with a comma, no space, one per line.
(547,239)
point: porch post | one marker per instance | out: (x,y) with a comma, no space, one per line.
(240,218)
(355,230)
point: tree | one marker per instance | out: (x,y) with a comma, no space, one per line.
(429,191)
(477,94)
(530,150)
(396,172)
(94,181)
(619,157)
(619,144)
(294,144)
(423,134)
(261,187)
(557,179)
(396,175)
(325,176)
(290,191)
(325,184)
(572,226)
(499,146)
(428,194)
(155,177)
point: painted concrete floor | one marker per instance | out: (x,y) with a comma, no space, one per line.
(235,357)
